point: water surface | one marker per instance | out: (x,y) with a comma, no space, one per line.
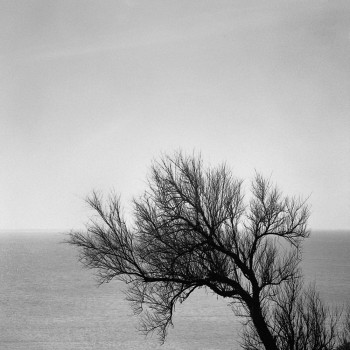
(47,301)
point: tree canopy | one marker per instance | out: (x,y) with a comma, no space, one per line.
(194,227)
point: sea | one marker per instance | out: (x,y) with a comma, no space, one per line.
(49,302)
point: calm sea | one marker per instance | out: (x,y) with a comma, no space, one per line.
(47,301)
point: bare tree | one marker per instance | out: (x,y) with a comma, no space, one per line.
(193,228)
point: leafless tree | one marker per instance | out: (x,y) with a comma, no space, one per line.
(193,228)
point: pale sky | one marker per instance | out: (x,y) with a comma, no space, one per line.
(92,91)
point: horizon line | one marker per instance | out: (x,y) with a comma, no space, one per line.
(9,230)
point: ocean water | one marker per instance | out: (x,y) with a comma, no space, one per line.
(49,302)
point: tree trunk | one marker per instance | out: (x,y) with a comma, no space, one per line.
(261,327)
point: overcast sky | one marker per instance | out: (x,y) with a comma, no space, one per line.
(91,91)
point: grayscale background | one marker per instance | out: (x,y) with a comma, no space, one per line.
(92,91)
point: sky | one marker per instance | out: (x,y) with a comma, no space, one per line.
(92,91)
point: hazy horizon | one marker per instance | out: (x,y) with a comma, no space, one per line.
(67,230)
(92,91)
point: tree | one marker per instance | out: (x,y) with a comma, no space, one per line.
(193,228)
